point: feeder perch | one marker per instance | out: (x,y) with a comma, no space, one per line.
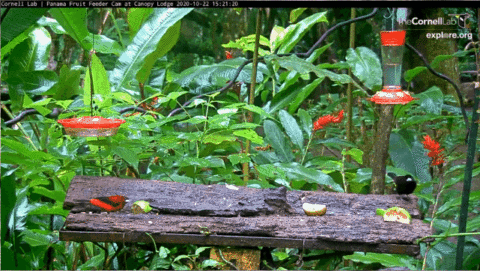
(392,96)
(91,126)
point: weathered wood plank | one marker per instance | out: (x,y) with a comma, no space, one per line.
(263,217)
(178,198)
(218,200)
(329,227)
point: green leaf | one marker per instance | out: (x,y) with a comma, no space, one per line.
(303,94)
(68,84)
(144,43)
(203,76)
(32,83)
(431,100)
(135,19)
(17,21)
(297,171)
(32,54)
(209,263)
(388,260)
(408,154)
(16,41)
(294,33)
(306,120)
(35,239)
(238,158)
(294,14)
(291,128)
(410,74)
(249,135)
(122,96)
(356,154)
(15,146)
(93,263)
(104,44)
(128,155)
(58,196)
(101,85)
(248,44)
(39,106)
(217,138)
(276,138)
(256,109)
(53,24)
(365,66)
(302,66)
(73,21)
(164,45)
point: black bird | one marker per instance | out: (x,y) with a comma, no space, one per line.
(405,184)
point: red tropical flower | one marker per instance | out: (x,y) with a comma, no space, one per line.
(228,54)
(323,121)
(434,151)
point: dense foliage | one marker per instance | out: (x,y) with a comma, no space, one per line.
(139,61)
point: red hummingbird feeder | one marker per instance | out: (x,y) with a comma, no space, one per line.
(393,43)
(91,126)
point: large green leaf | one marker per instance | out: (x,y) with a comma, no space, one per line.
(291,128)
(303,94)
(408,154)
(17,21)
(432,100)
(306,120)
(388,260)
(73,21)
(365,66)
(144,43)
(164,45)
(129,155)
(101,85)
(67,85)
(201,77)
(299,172)
(104,44)
(276,138)
(31,83)
(135,19)
(32,54)
(302,66)
(295,32)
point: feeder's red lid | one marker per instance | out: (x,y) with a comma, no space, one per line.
(91,122)
(392,96)
(393,38)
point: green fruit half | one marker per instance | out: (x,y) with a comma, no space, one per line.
(141,206)
(314,209)
(395,214)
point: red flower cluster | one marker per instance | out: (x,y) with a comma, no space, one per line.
(228,54)
(323,121)
(437,155)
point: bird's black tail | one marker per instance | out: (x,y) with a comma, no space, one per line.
(392,175)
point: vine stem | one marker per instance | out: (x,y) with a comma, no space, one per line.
(252,89)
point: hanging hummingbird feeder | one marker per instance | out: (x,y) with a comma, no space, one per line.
(94,125)
(91,126)
(393,43)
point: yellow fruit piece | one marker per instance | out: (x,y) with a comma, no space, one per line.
(314,209)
